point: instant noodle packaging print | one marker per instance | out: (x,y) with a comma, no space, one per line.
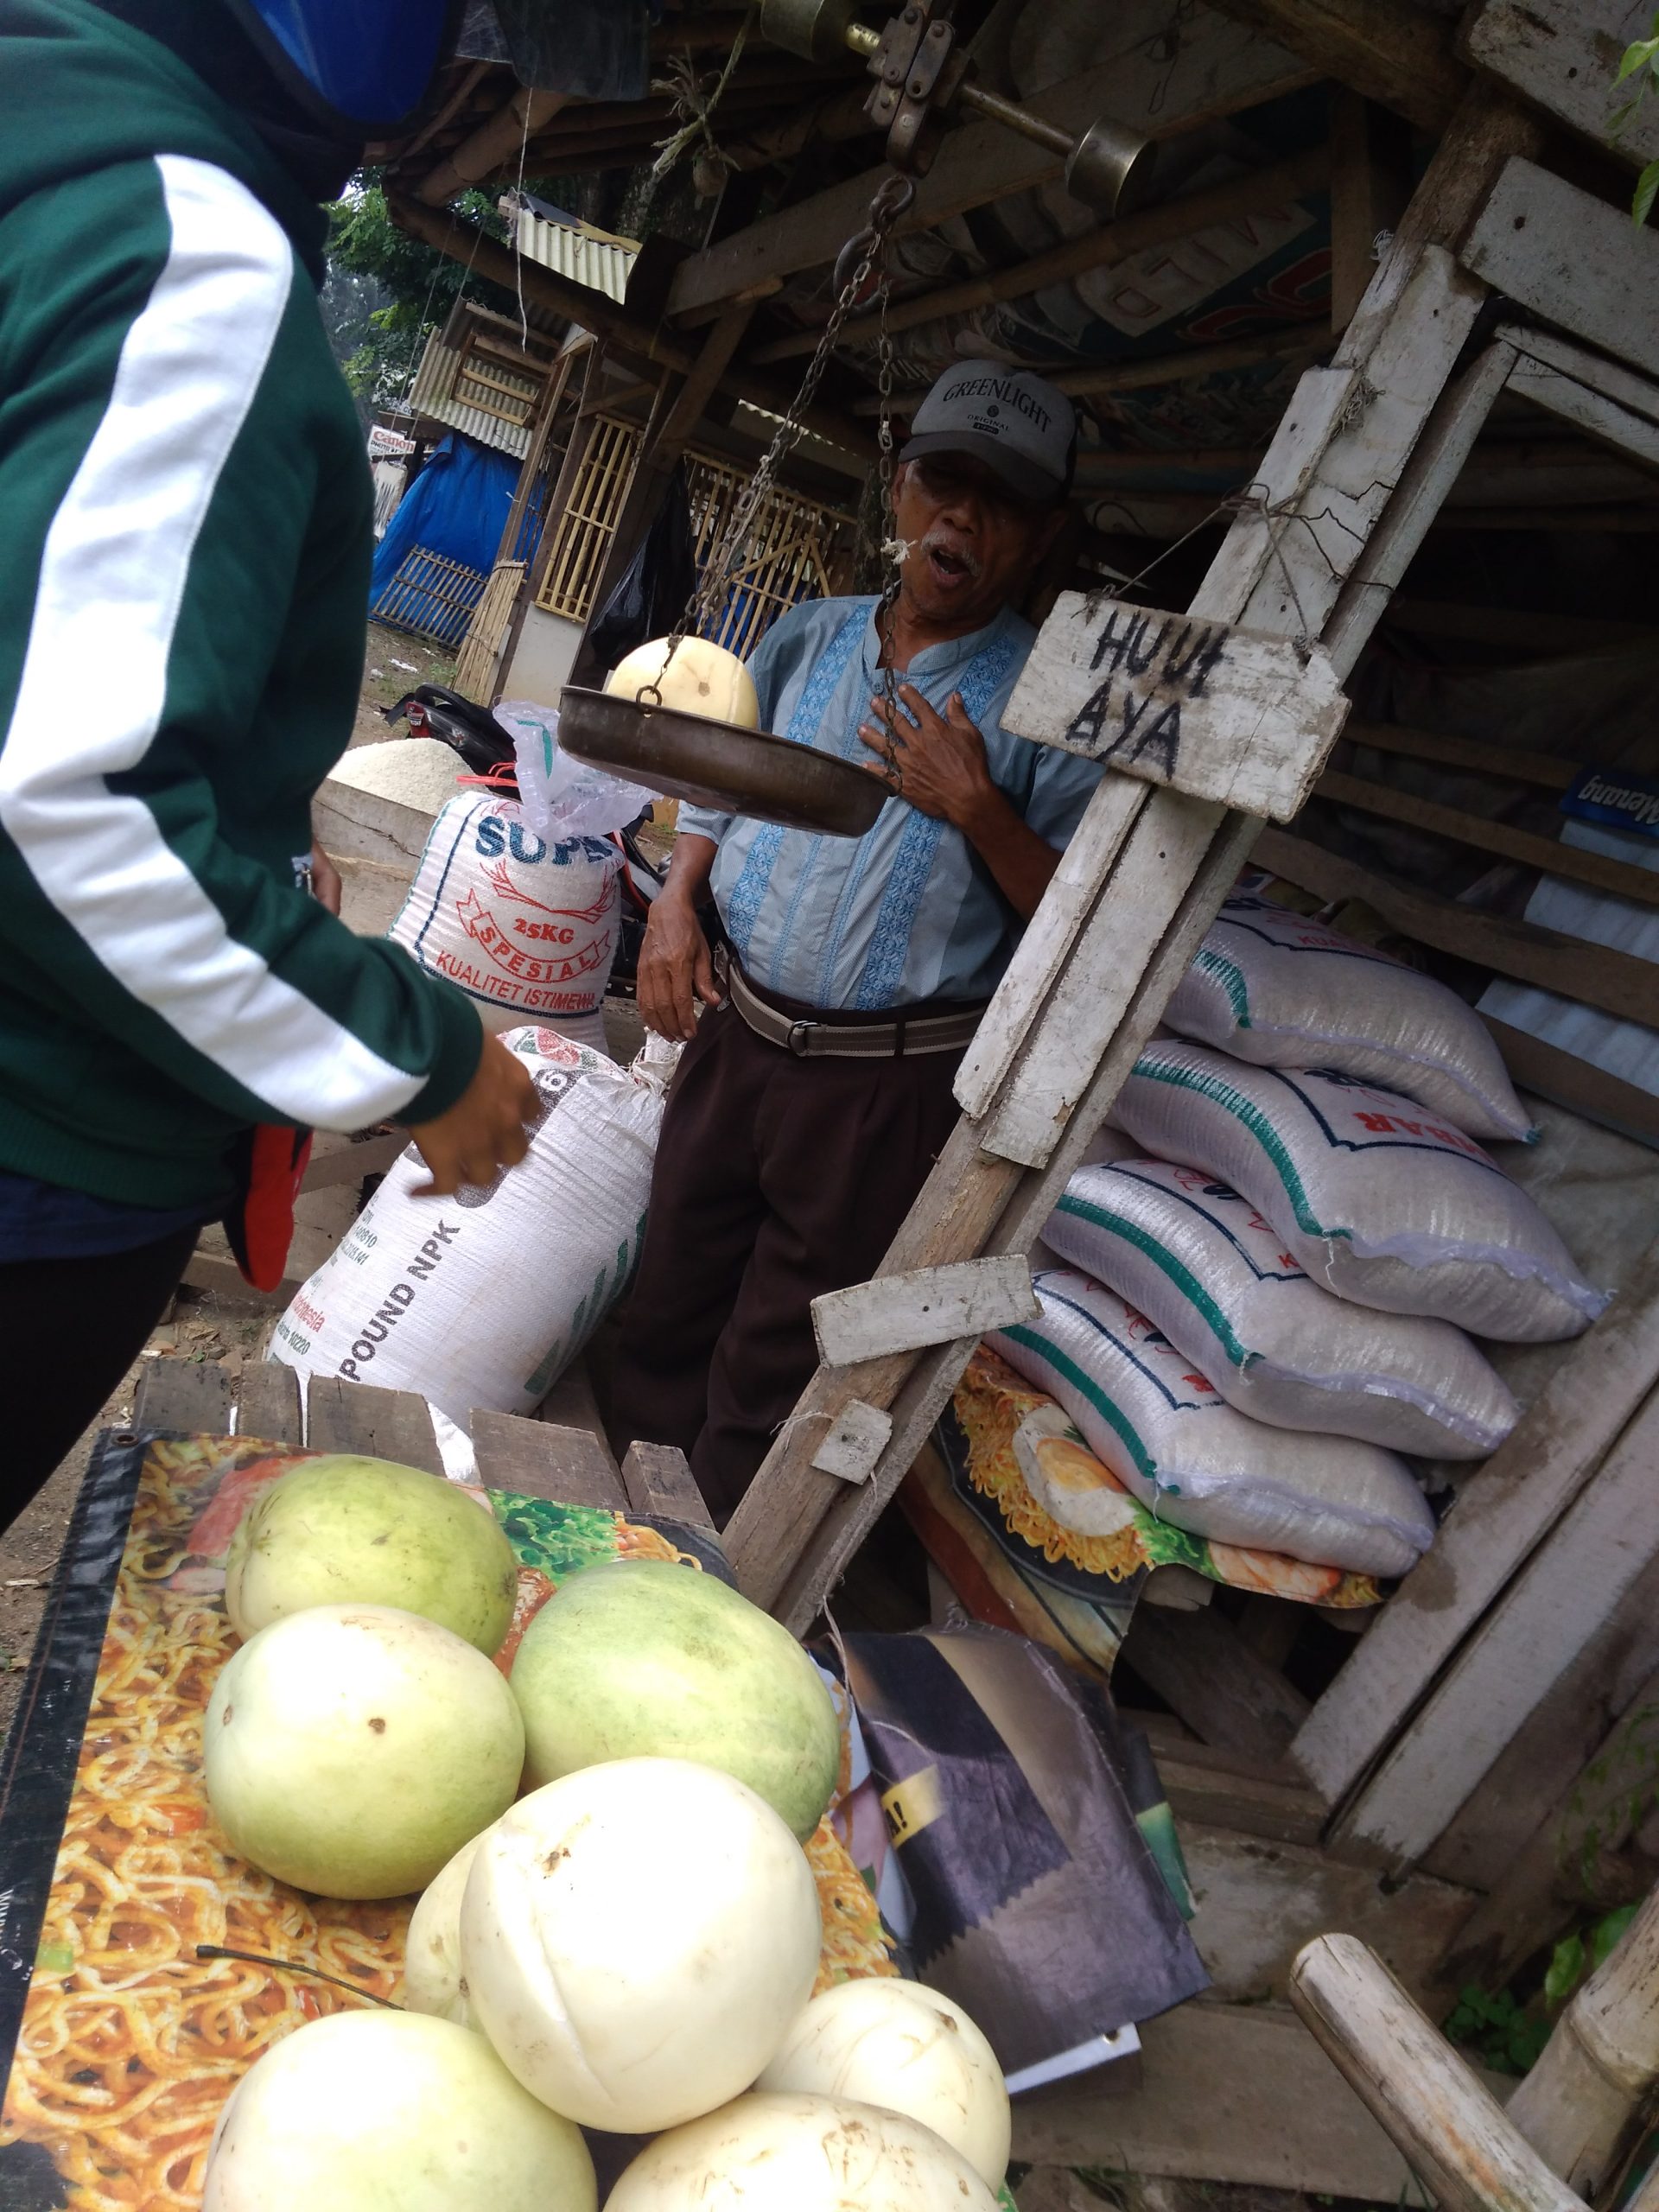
(526,926)
(1173,1441)
(1381,1201)
(484,1299)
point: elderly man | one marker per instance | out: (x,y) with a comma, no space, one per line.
(815,1091)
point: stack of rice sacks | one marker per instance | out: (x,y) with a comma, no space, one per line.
(1261,1301)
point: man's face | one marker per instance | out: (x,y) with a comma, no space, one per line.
(973,545)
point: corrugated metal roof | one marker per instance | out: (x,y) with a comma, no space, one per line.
(578,251)
(432,394)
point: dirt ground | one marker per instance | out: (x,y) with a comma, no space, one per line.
(392,665)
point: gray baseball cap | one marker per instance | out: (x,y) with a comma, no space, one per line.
(1015,422)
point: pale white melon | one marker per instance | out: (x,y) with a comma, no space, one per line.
(700,678)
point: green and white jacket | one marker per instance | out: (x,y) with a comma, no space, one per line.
(185,540)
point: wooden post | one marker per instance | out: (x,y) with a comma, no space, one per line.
(1347,432)
(1370,185)
(1452,2131)
(532,466)
(558,498)
(1582,2102)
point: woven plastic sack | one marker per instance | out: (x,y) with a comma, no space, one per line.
(527,927)
(1273,987)
(1381,1201)
(1214,1276)
(485,1299)
(1174,1442)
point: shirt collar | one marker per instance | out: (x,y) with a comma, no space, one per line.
(955,652)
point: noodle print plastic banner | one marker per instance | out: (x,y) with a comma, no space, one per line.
(127,2042)
(990,1500)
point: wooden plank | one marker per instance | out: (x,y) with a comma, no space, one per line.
(1258,1903)
(1587,410)
(1516,762)
(1530,631)
(1213,1788)
(1204,708)
(1581,2105)
(539,1460)
(184,1397)
(1548,349)
(1226,2093)
(1622,879)
(853,1441)
(1596,975)
(1578,1084)
(1574,260)
(924,1306)
(1190,365)
(1047,941)
(1430,476)
(341,1416)
(268,1404)
(1390,50)
(1204,1672)
(1546,1614)
(1563,55)
(1451,2128)
(1216,68)
(658,1478)
(1094,992)
(571,1403)
(1520,1494)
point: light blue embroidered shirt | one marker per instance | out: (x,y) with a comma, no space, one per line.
(908,911)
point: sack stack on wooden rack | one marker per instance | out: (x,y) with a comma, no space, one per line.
(1262,1306)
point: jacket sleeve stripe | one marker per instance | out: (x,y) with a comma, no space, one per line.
(111,581)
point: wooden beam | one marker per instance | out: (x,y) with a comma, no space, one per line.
(539,1460)
(1524,1489)
(1216,69)
(1449,2127)
(1299,343)
(182,1397)
(342,1416)
(1211,1679)
(1601,1544)
(1575,260)
(1255,193)
(1533,633)
(1516,762)
(1563,55)
(1225,2092)
(1548,349)
(1370,185)
(495,141)
(1620,878)
(1391,51)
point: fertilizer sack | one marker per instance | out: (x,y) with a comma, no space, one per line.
(1173,1441)
(484,1299)
(1381,1201)
(1273,987)
(526,926)
(1215,1277)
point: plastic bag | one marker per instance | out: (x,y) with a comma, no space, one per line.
(655,589)
(562,799)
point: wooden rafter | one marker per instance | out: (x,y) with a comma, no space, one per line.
(1392,51)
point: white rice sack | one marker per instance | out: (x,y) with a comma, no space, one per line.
(527,927)
(1175,1443)
(1381,1201)
(484,1299)
(1212,1276)
(1273,987)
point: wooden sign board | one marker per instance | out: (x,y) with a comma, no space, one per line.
(1218,713)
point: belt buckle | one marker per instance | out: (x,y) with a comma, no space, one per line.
(794,1038)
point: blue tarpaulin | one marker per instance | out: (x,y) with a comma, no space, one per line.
(457,506)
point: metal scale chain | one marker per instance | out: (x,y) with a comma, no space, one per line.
(866,252)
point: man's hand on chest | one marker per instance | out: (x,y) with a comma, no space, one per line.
(936,762)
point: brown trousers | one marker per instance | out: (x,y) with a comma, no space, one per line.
(776,1178)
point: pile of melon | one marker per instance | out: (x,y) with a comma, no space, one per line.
(629,1946)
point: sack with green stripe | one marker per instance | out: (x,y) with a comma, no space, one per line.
(1381,1201)
(1173,1441)
(1275,989)
(1216,1277)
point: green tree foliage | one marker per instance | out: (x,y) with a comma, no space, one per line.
(387,290)
(1640,63)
